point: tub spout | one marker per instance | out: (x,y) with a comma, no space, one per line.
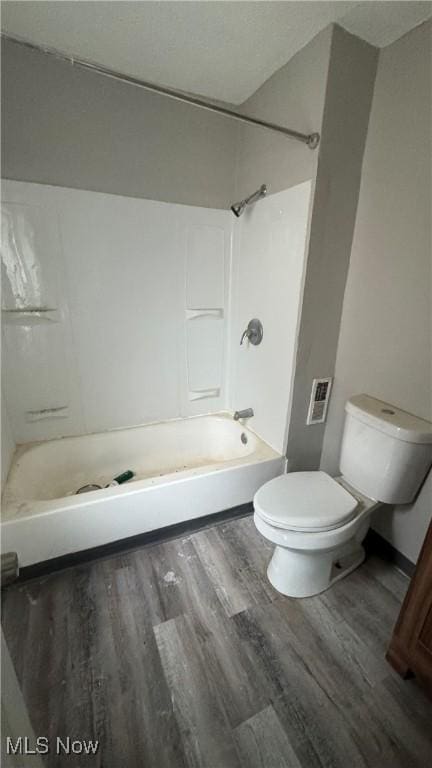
(247,413)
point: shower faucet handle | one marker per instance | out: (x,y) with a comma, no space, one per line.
(254,332)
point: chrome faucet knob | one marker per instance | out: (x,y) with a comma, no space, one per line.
(254,332)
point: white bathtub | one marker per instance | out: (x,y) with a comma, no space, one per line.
(185,469)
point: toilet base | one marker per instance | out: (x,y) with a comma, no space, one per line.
(305,574)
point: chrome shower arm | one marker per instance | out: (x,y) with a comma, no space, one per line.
(261,192)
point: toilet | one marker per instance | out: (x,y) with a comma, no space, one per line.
(318,522)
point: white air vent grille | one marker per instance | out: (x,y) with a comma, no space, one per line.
(319,401)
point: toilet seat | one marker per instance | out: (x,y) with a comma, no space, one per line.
(305,502)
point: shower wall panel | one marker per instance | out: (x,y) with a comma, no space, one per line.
(208,264)
(39,367)
(97,289)
(270,244)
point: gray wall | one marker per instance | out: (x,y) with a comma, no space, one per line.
(73,128)
(294,97)
(7,443)
(326,87)
(385,339)
(348,96)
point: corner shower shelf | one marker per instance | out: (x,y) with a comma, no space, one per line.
(203,394)
(29,316)
(191,314)
(40,414)
(204,351)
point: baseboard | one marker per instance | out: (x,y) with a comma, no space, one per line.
(133,542)
(375,544)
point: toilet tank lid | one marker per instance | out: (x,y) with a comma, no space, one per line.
(389,419)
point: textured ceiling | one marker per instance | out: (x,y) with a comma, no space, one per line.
(224,50)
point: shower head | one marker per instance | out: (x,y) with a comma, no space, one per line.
(238,208)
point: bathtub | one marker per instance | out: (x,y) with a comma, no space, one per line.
(184,469)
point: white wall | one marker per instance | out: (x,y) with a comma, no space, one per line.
(385,339)
(123,278)
(269,258)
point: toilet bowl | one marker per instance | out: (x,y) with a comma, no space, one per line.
(318,522)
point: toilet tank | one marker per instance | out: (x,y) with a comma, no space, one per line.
(385,452)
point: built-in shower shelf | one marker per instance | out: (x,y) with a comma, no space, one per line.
(30,316)
(203,394)
(191,314)
(41,414)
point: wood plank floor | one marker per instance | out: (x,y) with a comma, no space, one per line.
(182,654)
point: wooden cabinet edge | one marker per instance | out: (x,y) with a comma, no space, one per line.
(406,653)
(396,658)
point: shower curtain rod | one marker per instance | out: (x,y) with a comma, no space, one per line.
(311,139)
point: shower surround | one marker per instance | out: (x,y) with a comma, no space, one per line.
(121,312)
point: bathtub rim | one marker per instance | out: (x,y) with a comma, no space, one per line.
(226,415)
(23,449)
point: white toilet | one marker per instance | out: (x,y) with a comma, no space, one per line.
(317,522)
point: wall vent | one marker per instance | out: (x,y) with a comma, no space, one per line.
(319,401)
